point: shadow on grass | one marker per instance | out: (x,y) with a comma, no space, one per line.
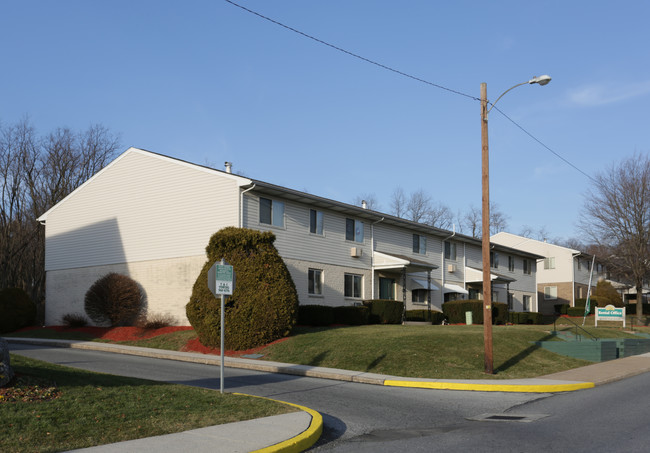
(375,362)
(316,361)
(512,361)
(65,375)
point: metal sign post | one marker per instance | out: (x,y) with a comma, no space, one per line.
(221,281)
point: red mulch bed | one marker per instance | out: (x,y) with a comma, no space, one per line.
(196,346)
(138,333)
(115,333)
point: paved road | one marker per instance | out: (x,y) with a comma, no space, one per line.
(362,417)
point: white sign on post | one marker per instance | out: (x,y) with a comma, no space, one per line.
(221,281)
(610,313)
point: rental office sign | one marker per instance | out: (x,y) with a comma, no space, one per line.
(610,313)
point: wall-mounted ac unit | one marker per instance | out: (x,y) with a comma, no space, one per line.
(356,252)
(451,268)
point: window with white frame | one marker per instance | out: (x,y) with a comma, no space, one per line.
(315,284)
(271,212)
(353,230)
(526,303)
(549,263)
(353,285)
(527,267)
(419,244)
(550,292)
(315,222)
(511,263)
(450,250)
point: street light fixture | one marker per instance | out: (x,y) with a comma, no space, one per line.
(485,236)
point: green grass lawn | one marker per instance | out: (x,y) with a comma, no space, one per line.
(442,352)
(95,409)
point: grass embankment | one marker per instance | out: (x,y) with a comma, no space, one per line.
(442,352)
(90,409)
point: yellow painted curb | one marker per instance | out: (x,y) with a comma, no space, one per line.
(302,441)
(540,388)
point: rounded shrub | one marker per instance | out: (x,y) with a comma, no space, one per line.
(114,300)
(16,310)
(264,304)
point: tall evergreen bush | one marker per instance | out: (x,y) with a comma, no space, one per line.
(264,305)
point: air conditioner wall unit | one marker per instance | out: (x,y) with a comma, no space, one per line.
(451,268)
(356,252)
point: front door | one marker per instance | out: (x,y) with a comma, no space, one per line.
(387,288)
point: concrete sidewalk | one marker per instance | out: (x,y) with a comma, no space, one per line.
(298,431)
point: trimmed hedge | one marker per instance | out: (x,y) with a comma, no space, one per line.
(455,311)
(315,315)
(383,311)
(264,305)
(434,317)
(561,308)
(16,310)
(532,317)
(351,315)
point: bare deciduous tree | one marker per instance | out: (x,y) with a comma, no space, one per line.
(418,205)
(36,174)
(617,219)
(472,221)
(398,203)
(440,216)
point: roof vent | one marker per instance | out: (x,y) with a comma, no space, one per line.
(228,167)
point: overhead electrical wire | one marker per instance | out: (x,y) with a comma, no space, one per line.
(544,145)
(367,60)
(418,79)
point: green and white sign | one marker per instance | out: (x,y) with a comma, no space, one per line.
(221,279)
(610,313)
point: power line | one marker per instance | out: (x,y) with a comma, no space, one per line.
(396,71)
(367,60)
(543,144)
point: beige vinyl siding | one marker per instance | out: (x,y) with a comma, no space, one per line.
(142,207)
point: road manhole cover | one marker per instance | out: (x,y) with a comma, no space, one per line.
(525,418)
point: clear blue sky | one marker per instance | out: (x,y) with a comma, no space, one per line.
(208,82)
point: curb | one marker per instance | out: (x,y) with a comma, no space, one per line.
(302,441)
(477,387)
(512,385)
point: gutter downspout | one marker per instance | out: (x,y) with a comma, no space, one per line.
(465,268)
(573,279)
(241,206)
(372,257)
(443,262)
